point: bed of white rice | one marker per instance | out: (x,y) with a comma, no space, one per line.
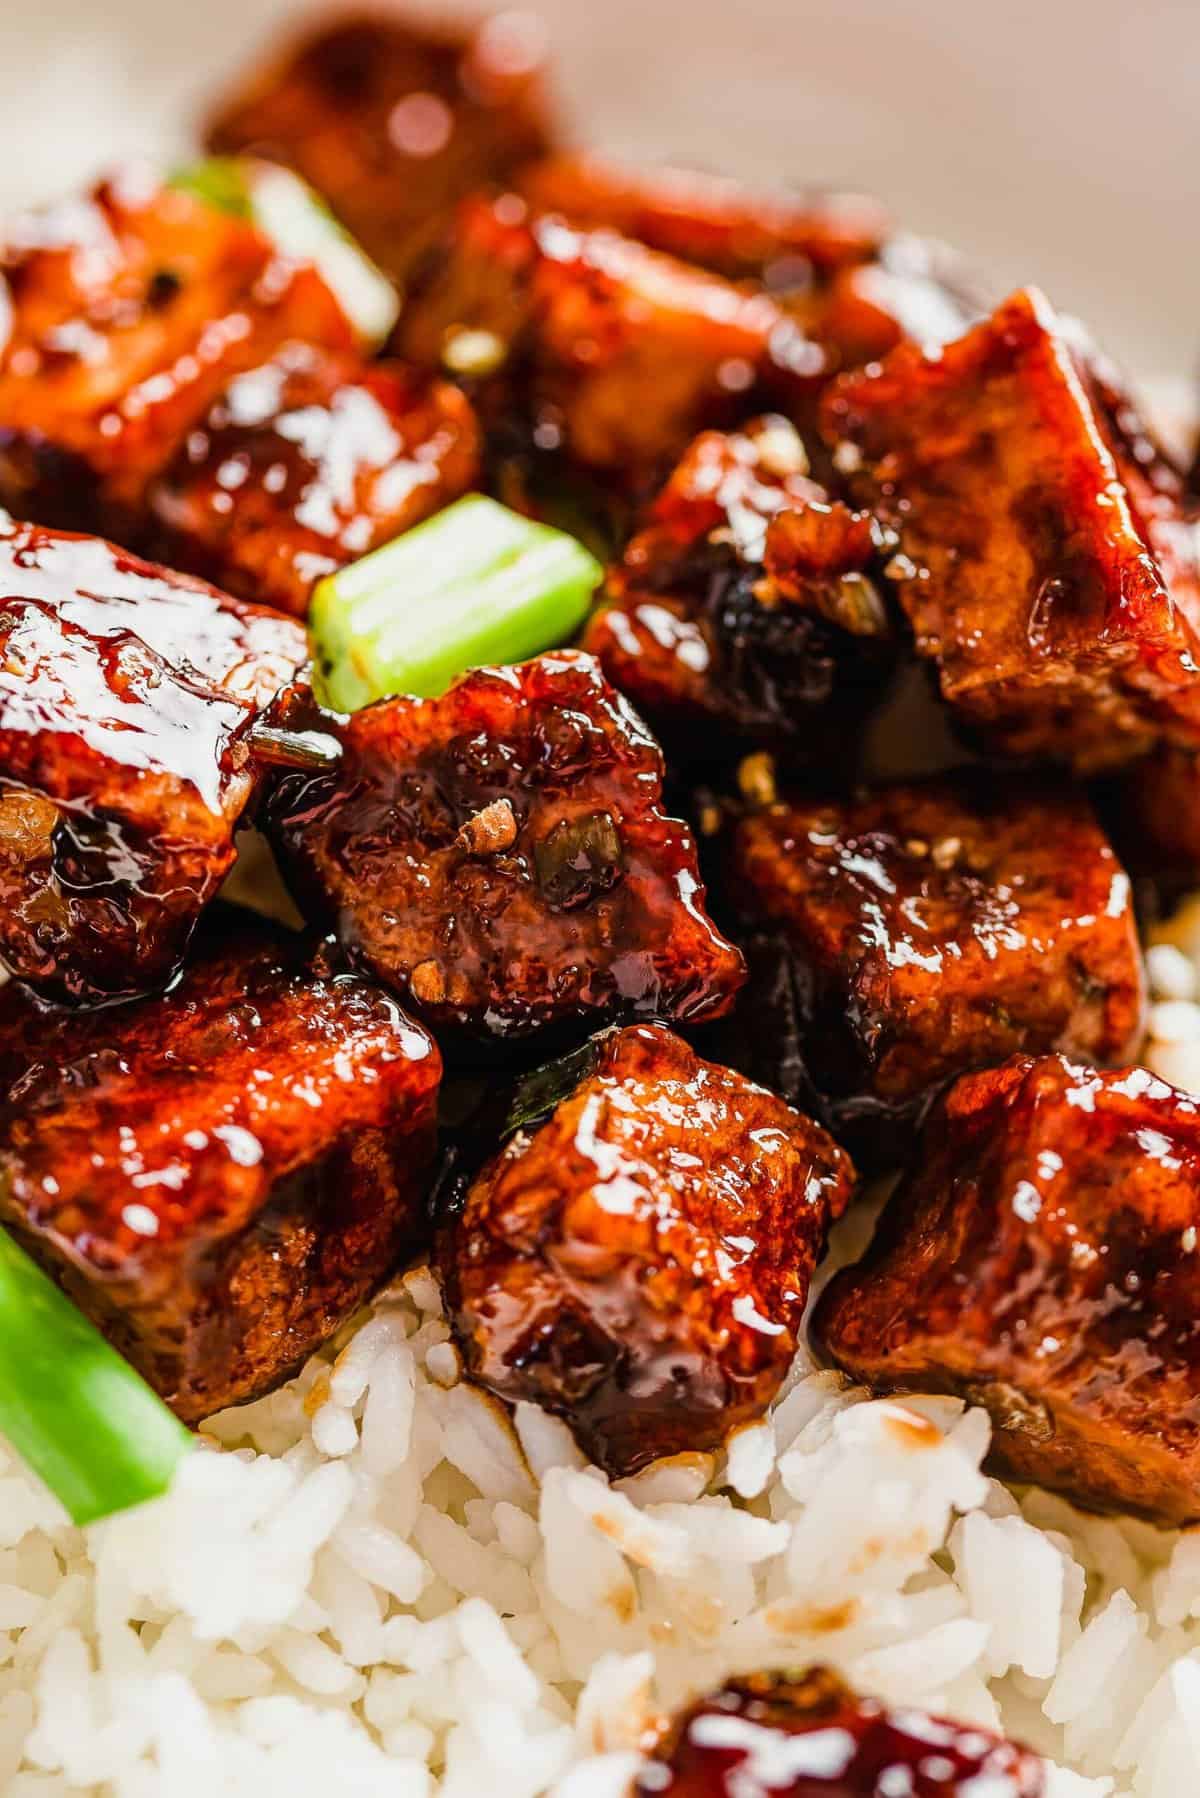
(372,1583)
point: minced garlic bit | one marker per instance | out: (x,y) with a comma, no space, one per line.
(900,568)
(490,830)
(427,983)
(781,449)
(468,352)
(756,779)
(946,852)
(847,458)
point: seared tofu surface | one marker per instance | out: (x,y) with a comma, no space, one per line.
(501,859)
(927,928)
(1030,563)
(1039,1259)
(640,1260)
(304,464)
(219,1174)
(394,121)
(131,308)
(126,696)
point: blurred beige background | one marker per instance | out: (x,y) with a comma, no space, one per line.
(1058,142)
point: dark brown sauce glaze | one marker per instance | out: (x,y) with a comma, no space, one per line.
(906,935)
(394,122)
(710,220)
(1029,524)
(726,618)
(131,308)
(607,353)
(125,696)
(809,1736)
(639,1262)
(1153,810)
(221,1174)
(832,261)
(499,857)
(1040,1259)
(306,463)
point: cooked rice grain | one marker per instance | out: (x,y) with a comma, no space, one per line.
(372,1582)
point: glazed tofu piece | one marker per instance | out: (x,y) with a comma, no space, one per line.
(639,1261)
(1039,1259)
(219,1175)
(902,936)
(499,857)
(306,463)
(594,347)
(126,696)
(743,610)
(393,121)
(748,1737)
(783,239)
(833,261)
(1041,561)
(1153,809)
(130,310)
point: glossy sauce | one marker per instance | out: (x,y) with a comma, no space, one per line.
(831,261)
(589,908)
(307,463)
(640,1262)
(125,695)
(703,640)
(610,353)
(220,1173)
(1026,523)
(811,1737)
(130,310)
(939,926)
(393,124)
(1039,1258)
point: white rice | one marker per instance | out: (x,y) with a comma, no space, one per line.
(372,1582)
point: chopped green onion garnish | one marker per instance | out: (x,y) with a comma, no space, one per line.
(287,211)
(474,584)
(71,1406)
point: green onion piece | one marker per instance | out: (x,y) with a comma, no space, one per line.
(71,1406)
(302,227)
(473,584)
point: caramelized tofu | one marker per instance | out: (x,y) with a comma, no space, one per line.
(748,1738)
(639,1262)
(909,934)
(1154,810)
(603,350)
(305,464)
(221,1174)
(742,611)
(1040,566)
(785,240)
(832,261)
(130,310)
(499,857)
(394,121)
(126,695)
(1040,1259)
(912,291)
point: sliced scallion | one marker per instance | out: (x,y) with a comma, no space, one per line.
(472,585)
(71,1406)
(287,211)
